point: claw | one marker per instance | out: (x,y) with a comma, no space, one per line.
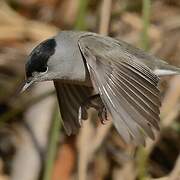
(82,114)
(102,114)
(95,102)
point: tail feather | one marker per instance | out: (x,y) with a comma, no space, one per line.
(166,69)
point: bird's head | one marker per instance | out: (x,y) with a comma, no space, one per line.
(57,58)
(38,67)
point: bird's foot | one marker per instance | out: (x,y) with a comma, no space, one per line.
(102,114)
(95,102)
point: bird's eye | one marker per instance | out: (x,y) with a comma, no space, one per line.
(45,70)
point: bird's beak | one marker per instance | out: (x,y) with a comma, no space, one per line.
(26,84)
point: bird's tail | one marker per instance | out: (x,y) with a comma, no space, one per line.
(166,69)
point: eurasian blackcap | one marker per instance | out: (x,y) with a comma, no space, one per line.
(91,70)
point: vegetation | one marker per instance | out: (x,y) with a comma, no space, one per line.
(33,144)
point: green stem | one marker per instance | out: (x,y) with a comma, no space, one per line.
(142,154)
(52,146)
(142,158)
(80,20)
(146,23)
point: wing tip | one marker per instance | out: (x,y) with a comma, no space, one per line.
(139,140)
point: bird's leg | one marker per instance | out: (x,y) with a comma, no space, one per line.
(95,102)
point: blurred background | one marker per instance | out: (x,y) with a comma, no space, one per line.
(33,144)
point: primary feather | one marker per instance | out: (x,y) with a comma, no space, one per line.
(128,88)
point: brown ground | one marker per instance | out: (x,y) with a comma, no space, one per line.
(97,152)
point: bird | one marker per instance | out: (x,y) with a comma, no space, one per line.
(92,70)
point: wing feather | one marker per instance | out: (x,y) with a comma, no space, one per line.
(140,90)
(127,87)
(70,97)
(132,100)
(132,96)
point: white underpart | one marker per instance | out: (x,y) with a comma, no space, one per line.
(164,72)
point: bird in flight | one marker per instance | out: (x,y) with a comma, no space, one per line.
(112,76)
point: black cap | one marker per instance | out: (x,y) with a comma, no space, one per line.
(37,61)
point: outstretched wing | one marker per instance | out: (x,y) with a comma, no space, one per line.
(127,87)
(70,98)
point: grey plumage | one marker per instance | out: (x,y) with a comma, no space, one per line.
(70,98)
(126,78)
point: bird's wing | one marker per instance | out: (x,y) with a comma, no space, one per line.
(128,88)
(70,97)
